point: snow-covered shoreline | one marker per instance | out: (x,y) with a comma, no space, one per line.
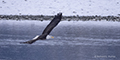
(67,7)
(66,18)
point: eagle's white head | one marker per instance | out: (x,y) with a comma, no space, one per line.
(49,37)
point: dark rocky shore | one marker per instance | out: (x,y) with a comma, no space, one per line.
(68,18)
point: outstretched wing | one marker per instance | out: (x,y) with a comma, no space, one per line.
(29,42)
(48,29)
(52,24)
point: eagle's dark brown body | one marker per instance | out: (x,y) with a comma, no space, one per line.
(48,29)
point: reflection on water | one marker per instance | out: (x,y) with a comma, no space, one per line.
(74,40)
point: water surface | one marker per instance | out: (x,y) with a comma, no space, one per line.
(74,40)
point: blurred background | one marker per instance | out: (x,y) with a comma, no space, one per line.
(67,7)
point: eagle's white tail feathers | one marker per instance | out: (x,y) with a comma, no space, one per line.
(35,37)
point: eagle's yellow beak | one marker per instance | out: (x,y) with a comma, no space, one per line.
(52,37)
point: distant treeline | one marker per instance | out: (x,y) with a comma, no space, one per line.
(68,18)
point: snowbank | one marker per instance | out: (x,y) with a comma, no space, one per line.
(67,7)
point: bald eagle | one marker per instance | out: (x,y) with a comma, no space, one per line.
(47,30)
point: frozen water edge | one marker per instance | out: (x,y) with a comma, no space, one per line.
(27,22)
